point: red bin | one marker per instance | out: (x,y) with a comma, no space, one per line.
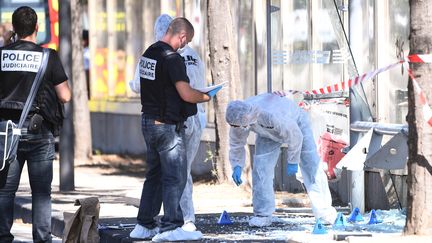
(330,151)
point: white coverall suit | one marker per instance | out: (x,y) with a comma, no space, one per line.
(194,124)
(277,120)
(194,127)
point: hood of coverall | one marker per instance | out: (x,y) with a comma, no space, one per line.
(240,113)
(161,26)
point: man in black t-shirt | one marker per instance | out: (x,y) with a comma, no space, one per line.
(167,101)
(19,63)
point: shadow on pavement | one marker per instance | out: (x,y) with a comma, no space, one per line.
(133,166)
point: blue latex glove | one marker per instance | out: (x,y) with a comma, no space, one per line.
(212,93)
(292,169)
(236,175)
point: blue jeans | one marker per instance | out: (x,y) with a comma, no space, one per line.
(166,175)
(38,151)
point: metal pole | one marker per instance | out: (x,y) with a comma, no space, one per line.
(380,128)
(66,146)
(356,178)
(268,32)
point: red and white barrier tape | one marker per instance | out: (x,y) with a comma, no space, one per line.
(346,85)
(342,86)
(420,58)
(426,110)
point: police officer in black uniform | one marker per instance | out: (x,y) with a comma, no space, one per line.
(167,100)
(19,63)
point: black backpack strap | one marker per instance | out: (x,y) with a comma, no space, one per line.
(162,109)
(35,86)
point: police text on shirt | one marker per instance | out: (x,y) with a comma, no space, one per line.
(20,61)
(147,68)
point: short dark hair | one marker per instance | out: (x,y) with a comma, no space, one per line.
(24,21)
(181,24)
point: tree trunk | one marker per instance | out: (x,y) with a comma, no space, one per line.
(81,114)
(66,143)
(224,66)
(419,213)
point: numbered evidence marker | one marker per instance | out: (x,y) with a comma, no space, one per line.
(340,222)
(355,216)
(224,218)
(319,228)
(374,219)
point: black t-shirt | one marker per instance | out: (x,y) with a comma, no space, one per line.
(19,63)
(160,69)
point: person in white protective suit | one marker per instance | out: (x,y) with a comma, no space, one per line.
(194,124)
(276,120)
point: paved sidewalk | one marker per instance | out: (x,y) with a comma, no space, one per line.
(114,193)
(119,191)
(23,233)
(119,188)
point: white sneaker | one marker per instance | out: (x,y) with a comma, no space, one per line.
(177,235)
(141,232)
(259,221)
(189,226)
(329,218)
